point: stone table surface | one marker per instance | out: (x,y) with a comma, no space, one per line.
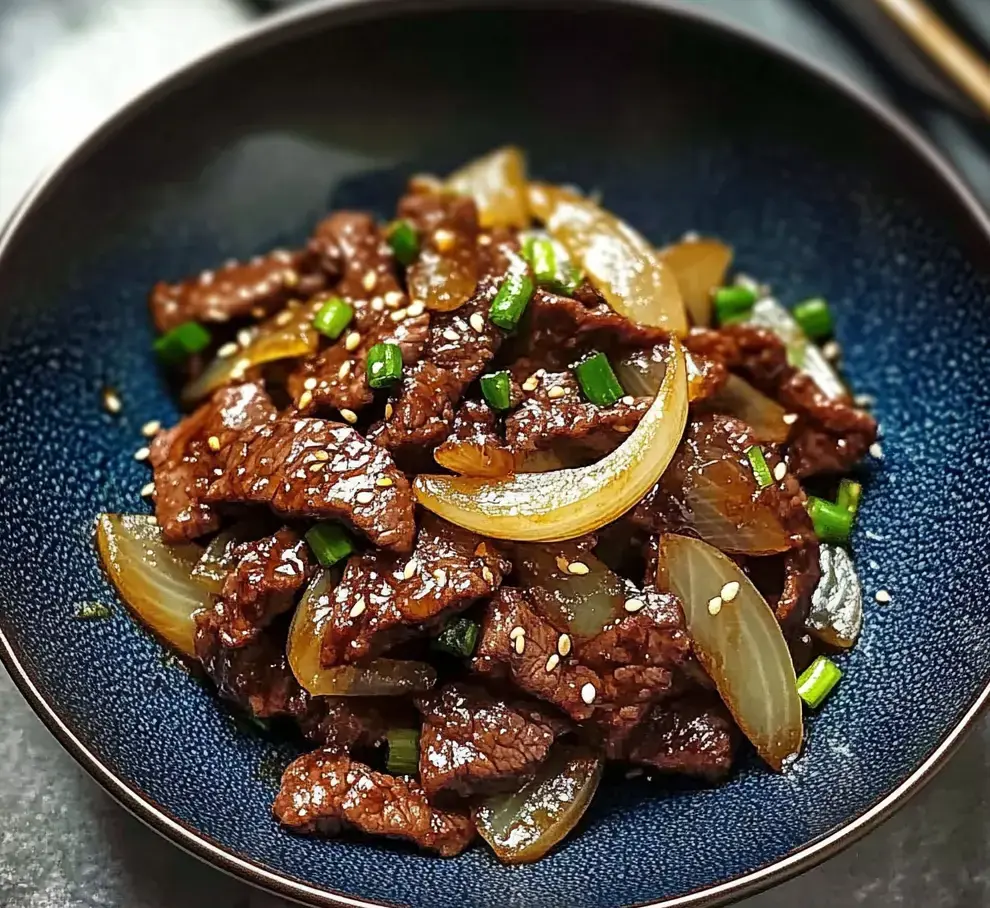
(63,842)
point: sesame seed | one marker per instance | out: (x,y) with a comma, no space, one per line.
(316,467)
(563,644)
(864,400)
(588,693)
(451,334)
(399,315)
(628,400)
(411,567)
(305,399)
(520,644)
(562,563)
(876,451)
(389,410)
(556,392)
(730,591)
(321,455)
(151,428)
(415,309)
(882,596)
(487,575)
(832,351)
(142,453)
(365,497)
(358,608)
(344,370)
(444,239)
(244,337)
(517,631)
(152,520)
(228,349)
(714,605)
(290,278)
(578,567)
(393,298)
(377,367)
(634,605)
(239,368)
(383,482)
(484,239)
(283,318)
(440,575)
(377,304)
(111,401)
(553,662)
(147,490)
(531,383)
(352,342)
(789,418)
(477,322)
(348,416)
(213,443)
(310,384)
(780,471)
(369,280)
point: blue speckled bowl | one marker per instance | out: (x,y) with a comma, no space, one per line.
(681,123)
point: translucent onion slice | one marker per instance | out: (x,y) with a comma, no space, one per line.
(523,826)
(497,183)
(443,281)
(836,615)
(563,504)
(738,641)
(287,335)
(641,372)
(762,414)
(699,266)
(475,458)
(375,678)
(216,562)
(153,578)
(635,281)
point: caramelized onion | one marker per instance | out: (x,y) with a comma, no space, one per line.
(563,504)
(475,458)
(634,280)
(153,578)
(497,183)
(836,616)
(443,281)
(699,266)
(738,641)
(375,678)
(523,826)
(762,414)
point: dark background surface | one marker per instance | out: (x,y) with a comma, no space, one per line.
(63,842)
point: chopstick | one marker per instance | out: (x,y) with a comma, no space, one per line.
(943,46)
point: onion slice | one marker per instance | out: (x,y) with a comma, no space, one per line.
(153,579)
(739,643)
(375,678)
(562,504)
(523,826)
(497,183)
(836,616)
(699,266)
(634,280)
(762,414)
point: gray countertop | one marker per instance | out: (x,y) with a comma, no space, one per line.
(66,844)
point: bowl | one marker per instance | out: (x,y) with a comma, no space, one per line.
(681,123)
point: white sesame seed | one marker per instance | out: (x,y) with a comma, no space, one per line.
(444,239)
(531,383)
(882,596)
(578,567)
(147,490)
(399,315)
(415,309)
(305,399)
(876,451)
(283,318)
(142,453)
(517,631)
(588,693)
(789,418)
(628,400)
(411,567)
(477,322)
(832,351)
(389,410)
(290,278)
(451,334)
(352,342)
(369,280)
(239,368)
(377,304)
(213,443)
(228,349)
(316,467)
(563,644)
(365,497)
(440,575)
(358,608)
(520,644)
(487,575)
(484,239)
(321,455)
(344,370)
(348,416)
(151,428)
(634,605)
(556,392)
(393,298)
(730,591)
(377,367)
(553,662)
(310,384)
(714,605)
(111,401)
(780,471)
(245,336)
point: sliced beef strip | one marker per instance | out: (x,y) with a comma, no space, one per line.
(473,743)
(325,792)
(266,577)
(237,290)
(474,446)
(318,469)
(694,735)
(184,459)
(383,599)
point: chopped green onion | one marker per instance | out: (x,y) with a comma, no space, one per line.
(404,240)
(754,453)
(329,542)
(733,303)
(540,254)
(334,316)
(832,522)
(458,637)
(849,494)
(403,751)
(513,296)
(496,389)
(182,342)
(817,680)
(384,365)
(598,381)
(814,317)
(567,280)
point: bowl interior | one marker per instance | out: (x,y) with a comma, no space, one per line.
(679,127)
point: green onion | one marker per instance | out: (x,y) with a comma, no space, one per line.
(512,297)
(496,390)
(849,494)
(182,342)
(329,542)
(540,254)
(598,381)
(817,680)
(758,462)
(384,365)
(403,751)
(832,522)
(733,303)
(334,316)
(567,280)
(403,239)
(458,638)
(814,317)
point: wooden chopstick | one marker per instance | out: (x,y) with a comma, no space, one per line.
(943,46)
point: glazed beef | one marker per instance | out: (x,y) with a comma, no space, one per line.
(263,583)
(184,458)
(237,290)
(473,743)
(318,469)
(474,447)
(383,599)
(326,792)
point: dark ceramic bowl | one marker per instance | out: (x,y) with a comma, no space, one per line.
(681,123)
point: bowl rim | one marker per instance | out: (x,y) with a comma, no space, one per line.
(284,26)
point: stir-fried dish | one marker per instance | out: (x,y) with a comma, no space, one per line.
(480,499)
